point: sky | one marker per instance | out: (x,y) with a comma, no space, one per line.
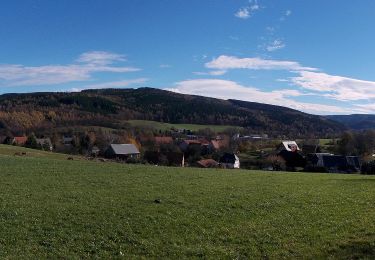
(314,56)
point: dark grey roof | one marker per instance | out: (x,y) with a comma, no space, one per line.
(124,149)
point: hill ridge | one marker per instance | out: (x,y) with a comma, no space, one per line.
(113,107)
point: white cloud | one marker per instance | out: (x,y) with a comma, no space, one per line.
(89,63)
(282,80)
(224,62)
(234,38)
(247,11)
(164,66)
(243,13)
(100,57)
(335,87)
(285,15)
(322,84)
(275,45)
(366,108)
(212,73)
(113,84)
(225,89)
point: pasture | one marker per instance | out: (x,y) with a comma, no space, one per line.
(168,126)
(54,208)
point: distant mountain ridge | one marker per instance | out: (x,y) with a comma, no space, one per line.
(355,121)
(113,107)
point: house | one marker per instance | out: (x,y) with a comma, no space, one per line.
(19,140)
(159,140)
(253,137)
(45,143)
(122,151)
(230,160)
(325,162)
(288,146)
(185,144)
(207,163)
(290,152)
(169,158)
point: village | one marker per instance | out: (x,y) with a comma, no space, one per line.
(205,149)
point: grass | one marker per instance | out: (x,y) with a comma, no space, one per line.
(54,208)
(167,126)
(12,150)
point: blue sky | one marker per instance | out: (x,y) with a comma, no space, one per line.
(314,56)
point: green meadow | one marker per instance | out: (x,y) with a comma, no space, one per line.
(51,207)
(168,126)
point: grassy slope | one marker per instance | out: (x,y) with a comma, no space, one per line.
(12,150)
(167,126)
(58,208)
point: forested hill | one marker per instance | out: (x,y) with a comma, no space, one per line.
(356,121)
(112,107)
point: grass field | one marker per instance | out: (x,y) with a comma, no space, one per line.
(167,126)
(54,208)
(13,150)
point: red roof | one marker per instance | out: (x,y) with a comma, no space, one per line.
(20,140)
(163,140)
(193,142)
(208,163)
(200,142)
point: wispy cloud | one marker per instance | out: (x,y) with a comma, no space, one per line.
(87,64)
(335,87)
(100,57)
(275,45)
(285,15)
(211,73)
(225,89)
(234,38)
(243,13)
(320,84)
(247,11)
(270,29)
(224,62)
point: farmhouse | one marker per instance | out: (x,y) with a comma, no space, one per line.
(333,163)
(201,143)
(45,143)
(289,151)
(169,158)
(122,151)
(159,140)
(230,160)
(19,140)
